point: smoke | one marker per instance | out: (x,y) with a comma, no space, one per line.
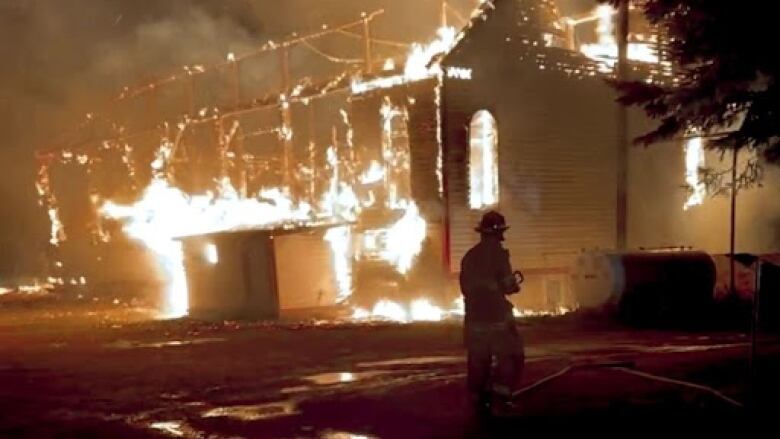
(64,59)
(189,36)
(657,195)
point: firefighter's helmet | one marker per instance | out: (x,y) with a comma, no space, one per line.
(492,223)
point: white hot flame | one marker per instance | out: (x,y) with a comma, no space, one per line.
(211,253)
(57,232)
(606,49)
(373,174)
(339,239)
(340,201)
(418,310)
(605,28)
(417,64)
(389,310)
(694,161)
(405,239)
(165,212)
(420,63)
(422,310)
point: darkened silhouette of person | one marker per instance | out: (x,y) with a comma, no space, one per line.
(490,331)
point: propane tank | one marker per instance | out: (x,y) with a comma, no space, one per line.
(646,287)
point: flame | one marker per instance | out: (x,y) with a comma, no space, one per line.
(164,213)
(34,288)
(605,28)
(359,86)
(373,174)
(405,239)
(561,310)
(420,63)
(156,221)
(419,310)
(212,255)
(439,143)
(694,161)
(340,200)
(606,49)
(339,239)
(459,307)
(422,310)
(389,310)
(57,232)
(361,314)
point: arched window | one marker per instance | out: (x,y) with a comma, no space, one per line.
(483,160)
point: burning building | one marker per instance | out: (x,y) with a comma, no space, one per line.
(334,154)
(397,158)
(535,132)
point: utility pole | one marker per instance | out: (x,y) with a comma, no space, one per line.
(755,320)
(621,209)
(367,40)
(733,225)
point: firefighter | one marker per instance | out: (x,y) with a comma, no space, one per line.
(490,332)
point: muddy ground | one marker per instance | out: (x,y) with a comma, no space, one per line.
(90,369)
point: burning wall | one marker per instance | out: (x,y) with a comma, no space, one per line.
(289,159)
(331,185)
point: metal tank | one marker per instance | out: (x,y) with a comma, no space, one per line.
(647,288)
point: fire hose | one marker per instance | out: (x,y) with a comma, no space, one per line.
(628,367)
(662,379)
(568,369)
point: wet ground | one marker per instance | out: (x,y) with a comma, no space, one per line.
(95,369)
